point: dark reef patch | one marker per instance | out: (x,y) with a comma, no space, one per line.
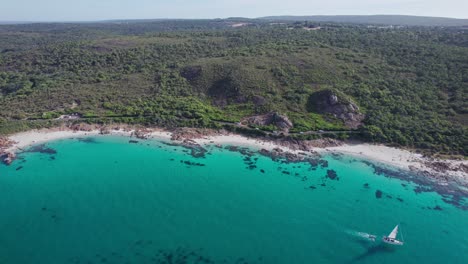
(366,185)
(248,156)
(242,150)
(144,251)
(43,149)
(252,167)
(279,155)
(421,189)
(196,150)
(378,194)
(190,163)
(314,163)
(50,213)
(451,193)
(332,175)
(87,139)
(337,156)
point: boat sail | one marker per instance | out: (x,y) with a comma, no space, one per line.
(391,238)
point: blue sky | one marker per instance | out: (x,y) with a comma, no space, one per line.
(85,10)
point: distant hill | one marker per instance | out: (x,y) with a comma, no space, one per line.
(14,22)
(378,19)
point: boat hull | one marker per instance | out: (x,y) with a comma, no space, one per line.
(392,241)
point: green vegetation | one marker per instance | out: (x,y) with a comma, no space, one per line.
(410,82)
(379,20)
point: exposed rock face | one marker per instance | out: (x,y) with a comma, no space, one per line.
(104,130)
(258,100)
(5,143)
(330,102)
(227,91)
(183,133)
(142,133)
(442,166)
(273,118)
(280,121)
(8,157)
(309,145)
(191,73)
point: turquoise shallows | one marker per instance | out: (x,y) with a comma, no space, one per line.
(105,200)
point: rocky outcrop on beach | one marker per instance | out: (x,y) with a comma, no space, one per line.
(443,166)
(104,130)
(143,133)
(278,153)
(282,122)
(196,150)
(184,133)
(6,157)
(5,143)
(308,145)
(338,105)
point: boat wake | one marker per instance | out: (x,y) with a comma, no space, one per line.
(362,235)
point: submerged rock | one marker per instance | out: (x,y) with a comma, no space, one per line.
(251,167)
(190,163)
(42,148)
(87,140)
(378,194)
(331,174)
(8,158)
(195,149)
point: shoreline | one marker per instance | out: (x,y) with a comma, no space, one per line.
(441,170)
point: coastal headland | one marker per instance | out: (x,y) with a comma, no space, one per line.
(443,171)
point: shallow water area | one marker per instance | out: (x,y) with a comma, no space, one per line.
(109,200)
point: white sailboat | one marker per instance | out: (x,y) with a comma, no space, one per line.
(391,238)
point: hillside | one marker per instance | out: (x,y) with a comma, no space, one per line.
(378,20)
(406,87)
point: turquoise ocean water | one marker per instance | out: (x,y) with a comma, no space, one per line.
(105,200)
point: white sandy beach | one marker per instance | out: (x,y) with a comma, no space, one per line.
(25,139)
(396,157)
(399,158)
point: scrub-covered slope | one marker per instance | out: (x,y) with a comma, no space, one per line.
(405,86)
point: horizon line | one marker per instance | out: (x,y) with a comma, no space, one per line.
(215,18)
